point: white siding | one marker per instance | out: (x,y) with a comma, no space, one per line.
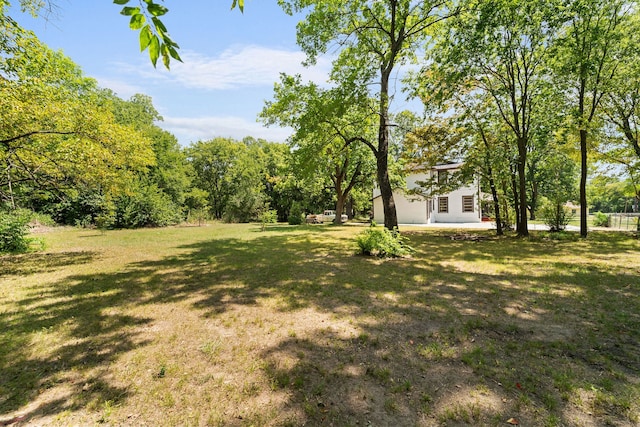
(378,211)
(455,213)
(410,210)
(414,209)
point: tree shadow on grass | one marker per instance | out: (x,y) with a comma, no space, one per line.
(33,363)
(538,339)
(432,343)
(26,264)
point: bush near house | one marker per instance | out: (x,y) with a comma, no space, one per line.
(379,241)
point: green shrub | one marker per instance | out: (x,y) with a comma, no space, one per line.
(147,207)
(245,205)
(295,214)
(379,241)
(14,228)
(269,216)
(556,216)
(42,219)
(602,220)
(78,209)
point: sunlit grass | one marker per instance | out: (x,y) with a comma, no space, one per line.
(229,325)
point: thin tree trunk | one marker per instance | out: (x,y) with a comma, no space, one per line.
(496,203)
(494,192)
(505,204)
(533,203)
(522,229)
(349,207)
(516,197)
(583,183)
(13,202)
(492,183)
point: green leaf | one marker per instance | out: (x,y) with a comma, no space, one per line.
(128,11)
(166,60)
(174,53)
(145,37)
(154,49)
(137,21)
(239,3)
(168,41)
(157,9)
(121,1)
(159,25)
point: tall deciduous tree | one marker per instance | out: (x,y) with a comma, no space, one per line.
(332,128)
(622,104)
(374,39)
(58,129)
(590,53)
(237,175)
(171,172)
(212,162)
(499,47)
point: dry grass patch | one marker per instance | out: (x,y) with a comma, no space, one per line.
(226,325)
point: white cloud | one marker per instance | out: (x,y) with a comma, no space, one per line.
(122,89)
(189,130)
(236,67)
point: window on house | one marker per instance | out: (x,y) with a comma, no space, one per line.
(443,204)
(442,176)
(467,204)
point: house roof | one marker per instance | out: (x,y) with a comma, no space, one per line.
(448,166)
(415,167)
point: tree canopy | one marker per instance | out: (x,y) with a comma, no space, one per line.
(373,40)
(58,128)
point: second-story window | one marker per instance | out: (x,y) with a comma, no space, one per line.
(443,176)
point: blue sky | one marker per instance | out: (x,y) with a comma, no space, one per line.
(231,61)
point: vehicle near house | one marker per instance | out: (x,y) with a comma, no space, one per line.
(330,215)
(326,216)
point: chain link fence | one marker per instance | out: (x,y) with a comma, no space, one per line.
(624,221)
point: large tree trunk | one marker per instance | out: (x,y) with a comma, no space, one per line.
(386,192)
(340,208)
(583,183)
(522,228)
(382,155)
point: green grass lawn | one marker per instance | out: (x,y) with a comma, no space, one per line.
(227,325)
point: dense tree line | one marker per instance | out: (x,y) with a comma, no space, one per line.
(82,155)
(543,82)
(86,157)
(532,95)
(532,88)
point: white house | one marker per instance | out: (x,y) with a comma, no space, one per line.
(458,206)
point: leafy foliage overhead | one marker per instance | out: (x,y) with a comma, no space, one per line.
(58,128)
